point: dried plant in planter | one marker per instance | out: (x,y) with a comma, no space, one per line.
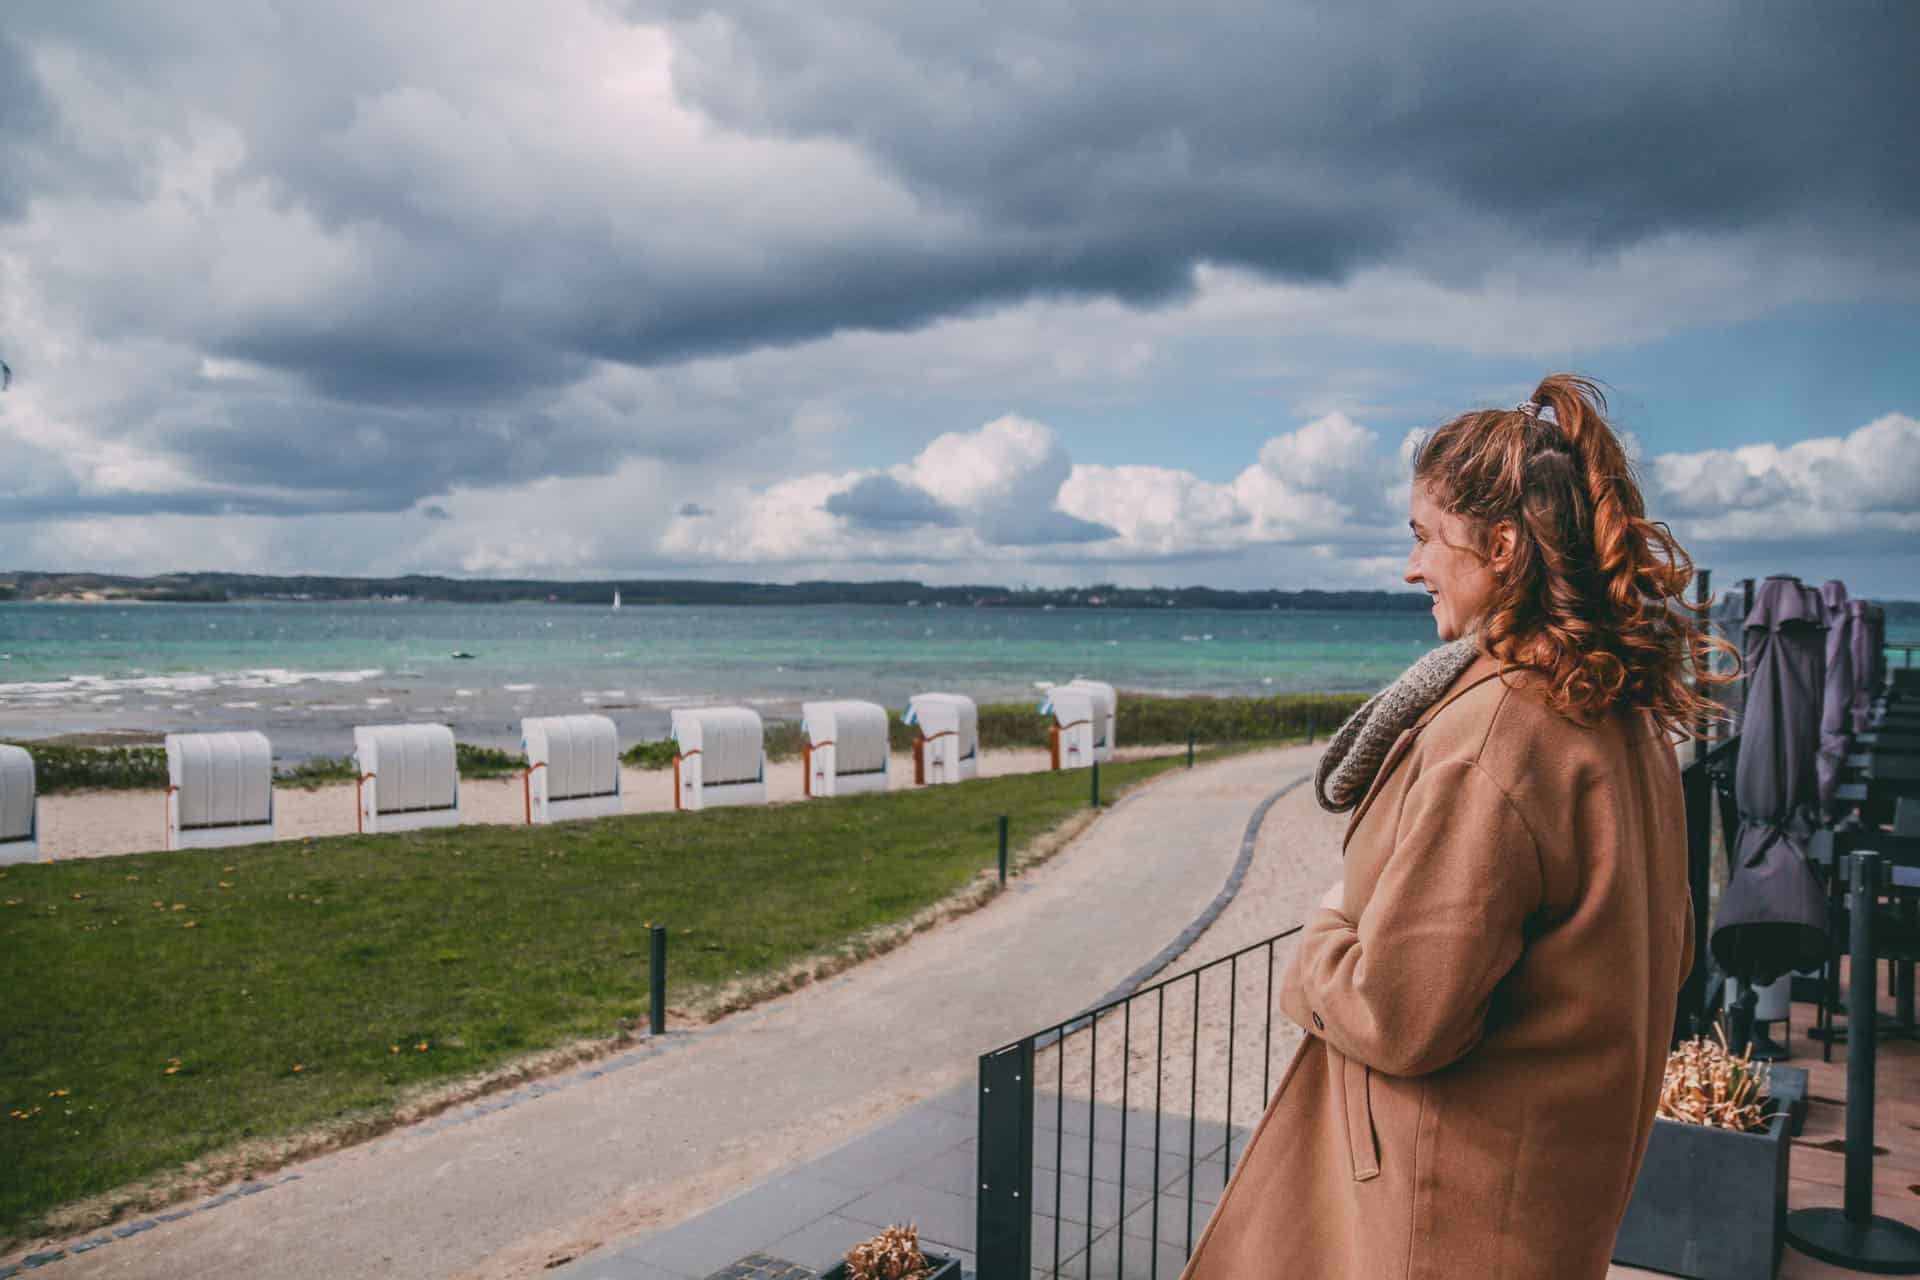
(894,1254)
(1705,1084)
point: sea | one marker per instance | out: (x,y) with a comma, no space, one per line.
(307,672)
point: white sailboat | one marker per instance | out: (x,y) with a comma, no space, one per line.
(616,599)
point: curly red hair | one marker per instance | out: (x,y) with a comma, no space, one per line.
(1594,597)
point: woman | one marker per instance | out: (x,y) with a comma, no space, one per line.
(1489,992)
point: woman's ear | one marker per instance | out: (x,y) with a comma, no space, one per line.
(1505,538)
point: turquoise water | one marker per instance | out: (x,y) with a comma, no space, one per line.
(306,671)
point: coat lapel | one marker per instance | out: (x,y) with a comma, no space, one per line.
(1481,670)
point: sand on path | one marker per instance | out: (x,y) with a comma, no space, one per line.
(503,1193)
(92,824)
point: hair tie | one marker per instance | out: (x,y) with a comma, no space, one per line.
(1528,407)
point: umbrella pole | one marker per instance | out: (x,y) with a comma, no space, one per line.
(1740,1020)
(1851,1236)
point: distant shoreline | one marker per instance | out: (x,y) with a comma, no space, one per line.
(40,587)
(231,588)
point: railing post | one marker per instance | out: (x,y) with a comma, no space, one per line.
(1003,851)
(657,979)
(1094,798)
(1696,786)
(1863,984)
(1852,1237)
(1189,748)
(1003,1211)
(1701,597)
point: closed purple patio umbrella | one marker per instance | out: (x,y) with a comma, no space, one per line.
(1861,636)
(1837,690)
(1773,915)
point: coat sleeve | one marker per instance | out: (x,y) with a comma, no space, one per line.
(1405,988)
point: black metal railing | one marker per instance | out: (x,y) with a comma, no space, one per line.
(1151,1175)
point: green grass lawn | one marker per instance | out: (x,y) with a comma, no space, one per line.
(161,1006)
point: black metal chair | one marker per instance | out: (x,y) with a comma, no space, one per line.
(1895,925)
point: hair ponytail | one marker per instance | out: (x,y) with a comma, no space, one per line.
(1595,596)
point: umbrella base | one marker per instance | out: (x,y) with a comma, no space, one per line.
(1878,1245)
(1887,1026)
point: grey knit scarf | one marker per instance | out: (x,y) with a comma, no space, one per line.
(1357,750)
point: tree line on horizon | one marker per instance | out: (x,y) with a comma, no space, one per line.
(213,588)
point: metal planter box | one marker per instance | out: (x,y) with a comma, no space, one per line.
(1709,1204)
(943,1268)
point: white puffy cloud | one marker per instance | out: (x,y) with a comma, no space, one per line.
(1864,483)
(1005,496)
(1320,505)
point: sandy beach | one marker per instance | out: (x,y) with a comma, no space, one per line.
(93,824)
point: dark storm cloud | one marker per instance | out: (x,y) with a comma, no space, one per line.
(24,117)
(1302,139)
(1040,526)
(692,511)
(474,276)
(390,459)
(881,502)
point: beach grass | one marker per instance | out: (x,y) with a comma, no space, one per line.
(63,767)
(163,1006)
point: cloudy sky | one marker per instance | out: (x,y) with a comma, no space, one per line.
(1009,290)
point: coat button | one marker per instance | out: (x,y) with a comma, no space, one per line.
(1317,1024)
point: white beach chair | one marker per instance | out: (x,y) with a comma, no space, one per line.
(722,758)
(845,752)
(219,790)
(1079,714)
(1106,730)
(406,777)
(19,807)
(948,746)
(573,767)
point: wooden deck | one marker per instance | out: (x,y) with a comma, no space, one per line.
(1819,1168)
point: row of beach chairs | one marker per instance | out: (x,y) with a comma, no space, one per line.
(220,785)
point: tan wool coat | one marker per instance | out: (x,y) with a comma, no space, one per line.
(1488,1012)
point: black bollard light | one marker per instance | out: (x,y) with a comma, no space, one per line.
(657,980)
(1309,728)
(1003,851)
(1094,797)
(1851,1236)
(1189,750)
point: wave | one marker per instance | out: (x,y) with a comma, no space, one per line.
(95,688)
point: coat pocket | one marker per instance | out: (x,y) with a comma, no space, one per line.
(1363,1144)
